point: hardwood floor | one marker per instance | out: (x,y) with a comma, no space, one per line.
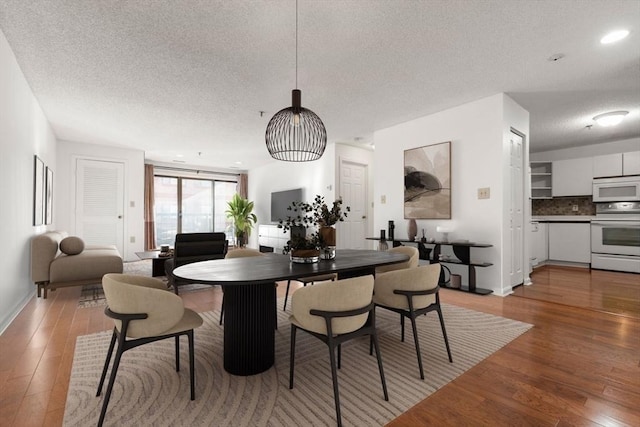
(577,366)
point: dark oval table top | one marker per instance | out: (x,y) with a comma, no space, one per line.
(275,267)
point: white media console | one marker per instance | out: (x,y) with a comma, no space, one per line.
(271,236)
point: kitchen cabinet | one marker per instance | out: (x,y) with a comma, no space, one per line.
(570,242)
(539,249)
(607,165)
(540,180)
(631,163)
(572,177)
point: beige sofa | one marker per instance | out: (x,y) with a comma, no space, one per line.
(51,269)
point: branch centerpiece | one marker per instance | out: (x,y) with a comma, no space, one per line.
(321,243)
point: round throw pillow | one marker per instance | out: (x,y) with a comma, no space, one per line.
(72,245)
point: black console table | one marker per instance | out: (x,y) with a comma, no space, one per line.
(462,250)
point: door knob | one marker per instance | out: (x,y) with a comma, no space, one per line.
(364,217)
(119,216)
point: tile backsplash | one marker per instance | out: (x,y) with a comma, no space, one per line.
(563,206)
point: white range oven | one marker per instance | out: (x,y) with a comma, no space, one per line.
(615,237)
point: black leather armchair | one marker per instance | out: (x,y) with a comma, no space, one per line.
(194,247)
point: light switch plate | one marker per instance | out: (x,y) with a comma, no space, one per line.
(484,193)
(383,199)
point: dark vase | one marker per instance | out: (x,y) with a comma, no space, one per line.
(412,230)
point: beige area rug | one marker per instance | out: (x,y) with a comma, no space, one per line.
(93,296)
(149,392)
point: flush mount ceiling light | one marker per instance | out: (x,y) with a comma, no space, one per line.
(610,119)
(614,36)
(296,134)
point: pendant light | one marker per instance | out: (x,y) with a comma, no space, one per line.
(296,134)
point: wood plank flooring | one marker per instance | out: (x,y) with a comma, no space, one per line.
(577,366)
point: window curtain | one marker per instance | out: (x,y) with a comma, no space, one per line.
(149,217)
(243,185)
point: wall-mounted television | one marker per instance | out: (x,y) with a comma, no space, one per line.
(281,200)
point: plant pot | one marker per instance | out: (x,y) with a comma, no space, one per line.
(328,252)
(304,256)
(328,236)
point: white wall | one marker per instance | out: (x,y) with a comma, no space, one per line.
(315,177)
(622,146)
(24,132)
(478,132)
(68,153)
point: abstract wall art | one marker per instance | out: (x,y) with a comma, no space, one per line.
(427,182)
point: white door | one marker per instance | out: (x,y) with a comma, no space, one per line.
(353,191)
(516,211)
(100,202)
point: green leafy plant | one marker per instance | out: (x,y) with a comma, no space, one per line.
(315,214)
(240,210)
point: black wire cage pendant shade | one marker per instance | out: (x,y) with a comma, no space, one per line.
(296,134)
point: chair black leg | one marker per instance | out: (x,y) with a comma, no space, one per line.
(292,355)
(106,363)
(374,338)
(401,328)
(192,364)
(444,333)
(334,377)
(370,345)
(177,353)
(112,379)
(222,309)
(339,355)
(286,295)
(415,339)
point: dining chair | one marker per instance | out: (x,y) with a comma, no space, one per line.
(308,280)
(411,292)
(410,251)
(144,311)
(335,312)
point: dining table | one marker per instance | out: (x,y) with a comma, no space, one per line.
(249,286)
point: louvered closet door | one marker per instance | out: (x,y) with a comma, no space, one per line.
(100,202)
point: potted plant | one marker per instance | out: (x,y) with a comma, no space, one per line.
(318,215)
(241,212)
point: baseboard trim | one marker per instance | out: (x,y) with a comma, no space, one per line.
(6,320)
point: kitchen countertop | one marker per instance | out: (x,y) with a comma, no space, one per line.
(563,218)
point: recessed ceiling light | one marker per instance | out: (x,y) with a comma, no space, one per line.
(238,163)
(614,36)
(610,119)
(179,155)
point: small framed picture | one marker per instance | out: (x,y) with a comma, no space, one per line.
(38,191)
(48,206)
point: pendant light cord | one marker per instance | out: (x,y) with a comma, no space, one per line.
(296,44)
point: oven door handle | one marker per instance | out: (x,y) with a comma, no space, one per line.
(626,224)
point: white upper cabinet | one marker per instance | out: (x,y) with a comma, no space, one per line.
(607,165)
(619,164)
(631,163)
(572,177)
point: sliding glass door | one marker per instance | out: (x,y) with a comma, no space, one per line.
(188,205)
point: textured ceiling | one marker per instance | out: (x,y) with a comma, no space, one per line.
(189,77)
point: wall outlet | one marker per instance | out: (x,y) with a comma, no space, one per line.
(574,208)
(132,204)
(484,193)
(383,199)
(132,239)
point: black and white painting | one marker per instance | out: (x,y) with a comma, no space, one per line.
(48,206)
(38,191)
(427,182)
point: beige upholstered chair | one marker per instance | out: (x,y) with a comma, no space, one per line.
(411,292)
(243,252)
(410,251)
(308,280)
(144,311)
(335,312)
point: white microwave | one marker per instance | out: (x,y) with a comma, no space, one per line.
(621,189)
